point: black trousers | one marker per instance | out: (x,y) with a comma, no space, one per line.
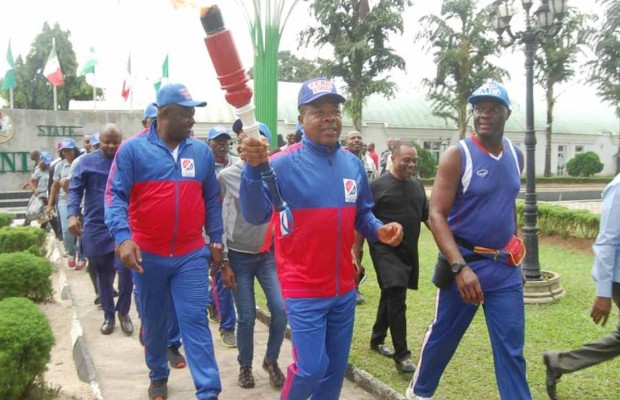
(392,314)
(591,353)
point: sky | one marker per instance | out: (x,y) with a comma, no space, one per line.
(150,29)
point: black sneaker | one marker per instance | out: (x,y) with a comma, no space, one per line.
(175,358)
(213,315)
(158,390)
(276,377)
(246,378)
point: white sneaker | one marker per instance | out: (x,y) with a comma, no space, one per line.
(409,395)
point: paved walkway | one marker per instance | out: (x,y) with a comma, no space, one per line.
(119,359)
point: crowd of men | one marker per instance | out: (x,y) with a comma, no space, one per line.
(190,233)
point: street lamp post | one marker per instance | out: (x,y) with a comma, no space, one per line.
(545,22)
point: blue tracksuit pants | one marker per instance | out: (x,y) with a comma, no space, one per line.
(505,317)
(174,333)
(106,266)
(186,280)
(322,329)
(223,303)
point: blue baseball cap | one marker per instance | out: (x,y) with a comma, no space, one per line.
(149,112)
(491,90)
(316,88)
(176,93)
(67,143)
(94,139)
(262,128)
(47,157)
(218,131)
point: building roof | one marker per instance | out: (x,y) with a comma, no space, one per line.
(577,111)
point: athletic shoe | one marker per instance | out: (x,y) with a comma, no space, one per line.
(276,377)
(175,358)
(228,338)
(158,390)
(409,395)
(213,315)
(81,264)
(246,378)
(71,262)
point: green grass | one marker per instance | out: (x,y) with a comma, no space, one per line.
(562,325)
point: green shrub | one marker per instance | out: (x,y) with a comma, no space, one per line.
(584,164)
(25,275)
(22,238)
(6,219)
(427,165)
(25,343)
(554,220)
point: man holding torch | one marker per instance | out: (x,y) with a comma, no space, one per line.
(328,194)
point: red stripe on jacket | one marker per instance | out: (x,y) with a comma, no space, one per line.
(317,268)
(159,199)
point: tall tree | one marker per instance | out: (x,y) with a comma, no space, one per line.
(32,90)
(605,69)
(295,69)
(359,36)
(554,63)
(461,45)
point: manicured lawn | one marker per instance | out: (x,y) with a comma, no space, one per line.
(562,325)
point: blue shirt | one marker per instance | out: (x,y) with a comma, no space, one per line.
(607,246)
(90,178)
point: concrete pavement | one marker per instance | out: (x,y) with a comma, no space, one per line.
(114,364)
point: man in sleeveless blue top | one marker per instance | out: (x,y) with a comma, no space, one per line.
(473,204)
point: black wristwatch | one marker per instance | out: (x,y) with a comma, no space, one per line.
(457,267)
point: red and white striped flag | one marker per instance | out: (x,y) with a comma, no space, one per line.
(127,82)
(52,70)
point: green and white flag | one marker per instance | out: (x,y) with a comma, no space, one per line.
(164,76)
(91,61)
(9,77)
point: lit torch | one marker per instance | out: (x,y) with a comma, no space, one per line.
(233,79)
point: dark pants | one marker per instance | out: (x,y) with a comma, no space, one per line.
(591,353)
(105,267)
(392,314)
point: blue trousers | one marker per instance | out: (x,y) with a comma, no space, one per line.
(322,329)
(174,333)
(105,268)
(185,279)
(261,266)
(68,239)
(505,317)
(224,303)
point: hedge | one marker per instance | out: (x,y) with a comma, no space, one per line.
(6,219)
(25,275)
(557,220)
(25,343)
(22,238)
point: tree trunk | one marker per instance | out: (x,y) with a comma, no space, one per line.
(462,120)
(549,130)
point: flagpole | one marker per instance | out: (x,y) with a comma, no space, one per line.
(55,98)
(94,90)
(11,98)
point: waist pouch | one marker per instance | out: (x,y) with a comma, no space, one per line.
(512,254)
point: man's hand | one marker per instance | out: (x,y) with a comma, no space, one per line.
(469,286)
(391,233)
(228,276)
(64,183)
(254,151)
(75,226)
(600,310)
(130,255)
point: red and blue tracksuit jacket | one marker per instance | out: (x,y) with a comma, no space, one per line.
(160,203)
(329,196)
